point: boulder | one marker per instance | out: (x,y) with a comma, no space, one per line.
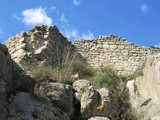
(106,99)
(104,93)
(59,93)
(27,106)
(80,86)
(98,118)
(89,102)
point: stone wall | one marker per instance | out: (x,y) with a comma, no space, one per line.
(41,45)
(115,52)
(46,45)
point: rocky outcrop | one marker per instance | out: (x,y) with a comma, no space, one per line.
(27,106)
(115,52)
(41,45)
(90,99)
(80,86)
(89,102)
(23,98)
(59,94)
(12,79)
(98,118)
(144,90)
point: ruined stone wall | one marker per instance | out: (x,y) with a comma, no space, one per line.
(115,52)
(41,45)
(46,45)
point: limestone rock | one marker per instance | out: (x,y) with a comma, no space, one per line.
(12,78)
(80,86)
(104,93)
(42,44)
(59,93)
(106,99)
(98,118)
(114,51)
(89,102)
(144,90)
(27,106)
(75,77)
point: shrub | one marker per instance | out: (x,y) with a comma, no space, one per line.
(62,75)
(105,77)
(79,67)
(43,73)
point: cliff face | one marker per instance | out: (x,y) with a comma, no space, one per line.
(41,45)
(144,90)
(12,79)
(115,52)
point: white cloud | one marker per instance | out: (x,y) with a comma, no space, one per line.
(53,8)
(144,7)
(88,36)
(76,2)
(17,17)
(70,32)
(63,18)
(36,16)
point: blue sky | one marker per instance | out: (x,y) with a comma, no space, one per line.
(136,20)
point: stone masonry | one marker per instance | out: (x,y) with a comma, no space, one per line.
(41,45)
(115,52)
(46,45)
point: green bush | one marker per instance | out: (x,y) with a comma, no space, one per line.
(79,67)
(105,77)
(42,73)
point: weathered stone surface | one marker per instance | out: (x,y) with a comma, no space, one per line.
(144,90)
(6,65)
(114,51)
(89,102)
(106,99)
(42,44)
(26,106)
(104,93)
(75,77)
(59,93)
(98,118)
(81,85)
(12,78)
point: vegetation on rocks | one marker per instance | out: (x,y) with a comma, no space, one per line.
(100,77)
